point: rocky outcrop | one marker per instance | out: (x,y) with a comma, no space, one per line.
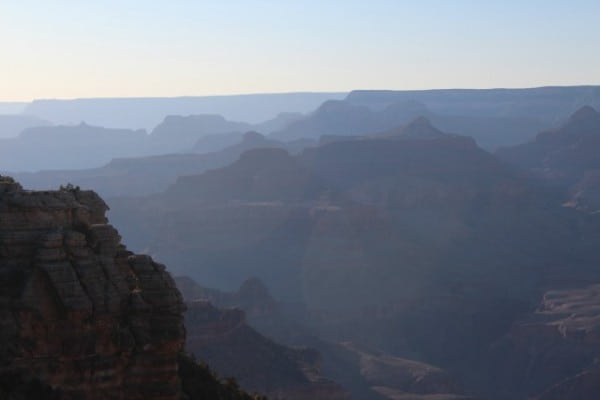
(364,373)
(230,338)
(224,340)
(78,312)
(565,158)
(252,297)
(554,350)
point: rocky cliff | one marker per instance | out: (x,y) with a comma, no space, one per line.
(565,158)
(553,352)
(78,312)
(232,348)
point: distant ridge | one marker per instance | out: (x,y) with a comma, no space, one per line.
(551,103)
(565,157)
(418,129)
(12,107)
(147,112)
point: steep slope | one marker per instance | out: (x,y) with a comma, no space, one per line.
(79,312)
(222,337)
(365,374)
(553,351)
(232,348)
(566,157)
(561,148)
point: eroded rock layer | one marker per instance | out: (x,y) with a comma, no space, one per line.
(79,312)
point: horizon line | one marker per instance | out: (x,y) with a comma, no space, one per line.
(300,92)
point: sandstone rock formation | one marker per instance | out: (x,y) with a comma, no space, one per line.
(78,312)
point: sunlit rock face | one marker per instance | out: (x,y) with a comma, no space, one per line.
(79,313)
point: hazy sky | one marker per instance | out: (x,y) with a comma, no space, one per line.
(76,48)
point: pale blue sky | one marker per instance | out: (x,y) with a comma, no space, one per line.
(76,48)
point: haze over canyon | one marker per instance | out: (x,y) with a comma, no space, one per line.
(336,200)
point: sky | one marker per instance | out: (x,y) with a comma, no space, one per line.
(134,48)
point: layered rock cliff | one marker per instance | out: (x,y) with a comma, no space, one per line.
(78,312)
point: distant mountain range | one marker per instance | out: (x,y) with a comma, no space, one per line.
(139,176)
(146,113)
(337,117)
(548,104)
(11,125)
(82,146)
(75,147)
(494,118)
(12,107)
